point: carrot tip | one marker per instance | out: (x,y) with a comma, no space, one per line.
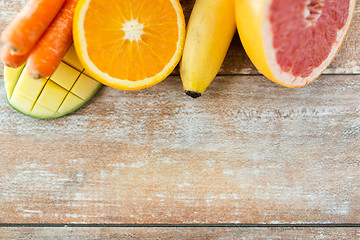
(35,75)
(9,65)
(13,50)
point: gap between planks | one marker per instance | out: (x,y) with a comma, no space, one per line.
(244,225)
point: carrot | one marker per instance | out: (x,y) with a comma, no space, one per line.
(10,60)
(49,51)
(30,23)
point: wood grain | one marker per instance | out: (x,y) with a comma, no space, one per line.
(237,62)
(248,151)
(178,233)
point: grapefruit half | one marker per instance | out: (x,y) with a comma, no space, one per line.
(292,42)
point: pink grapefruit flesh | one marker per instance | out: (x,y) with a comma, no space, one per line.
(304,36)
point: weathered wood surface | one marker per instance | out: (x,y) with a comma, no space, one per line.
(248,151)
(347,60)
(98,233)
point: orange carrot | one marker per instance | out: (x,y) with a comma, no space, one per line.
(10,60)
(28,26)
(49,51)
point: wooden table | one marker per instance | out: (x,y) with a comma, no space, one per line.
(247,160)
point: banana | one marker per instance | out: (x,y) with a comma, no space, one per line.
(210,31)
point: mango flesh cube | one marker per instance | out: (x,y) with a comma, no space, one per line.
(29,87)
(64,92)
(41,111)
(65,76)
(11,73)
(52,96)
(87,73)
(71,59)
(70,103)
(22,104)
(85,87)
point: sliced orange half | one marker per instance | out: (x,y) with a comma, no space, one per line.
(129,44)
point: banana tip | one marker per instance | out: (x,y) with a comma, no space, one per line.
(193,94)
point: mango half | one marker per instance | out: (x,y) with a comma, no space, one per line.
(69,88)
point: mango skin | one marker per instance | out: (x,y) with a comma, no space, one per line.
(68,89)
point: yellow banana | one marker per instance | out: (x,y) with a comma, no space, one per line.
(209,33)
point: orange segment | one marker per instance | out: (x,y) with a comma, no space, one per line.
(129,44)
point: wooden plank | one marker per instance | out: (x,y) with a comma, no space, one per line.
(248,151)
(178,233)
(347,60)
